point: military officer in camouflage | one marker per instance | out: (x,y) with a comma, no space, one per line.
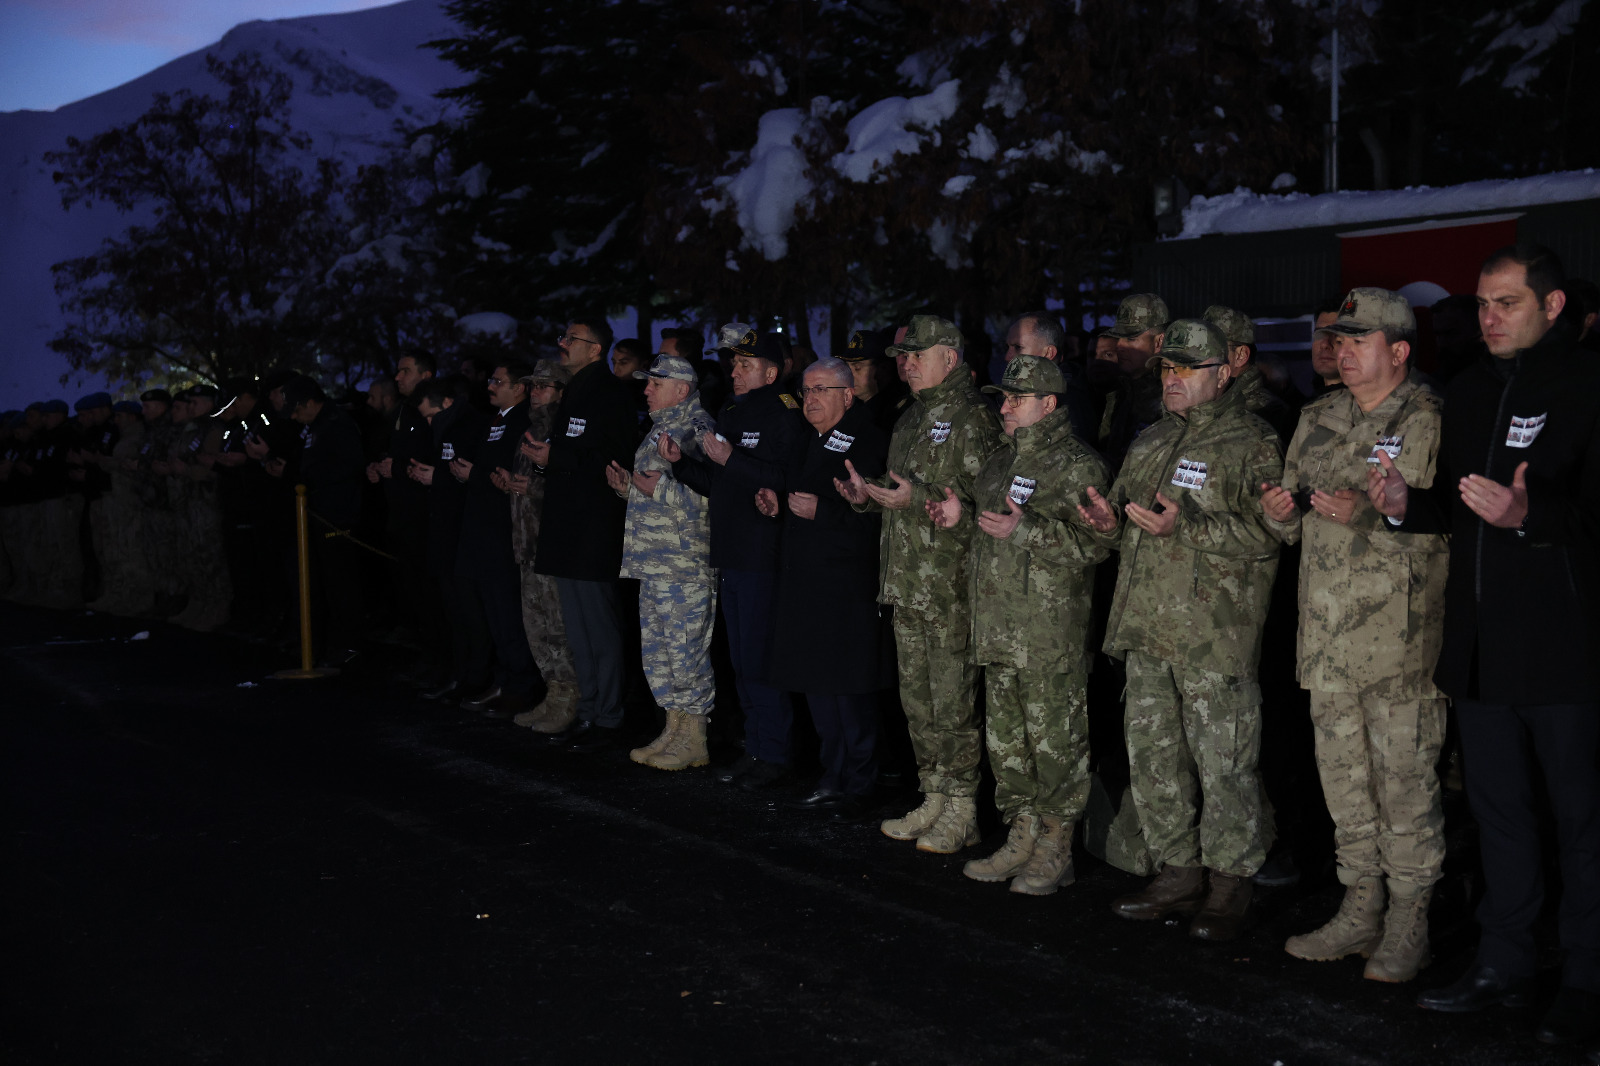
(1135,400)
(938,446)
(667,546)
(1032,572)
(1240,332)
(1371,625)
(1195,576)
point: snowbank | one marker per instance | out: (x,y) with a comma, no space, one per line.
(891,127)
(488,324)
(771,188)
(1243,211)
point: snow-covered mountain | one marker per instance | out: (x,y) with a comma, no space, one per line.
(354,74)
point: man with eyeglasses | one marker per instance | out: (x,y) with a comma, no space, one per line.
(1193,582)
(1033,560)
(937,448)
(759,432)
(580,527)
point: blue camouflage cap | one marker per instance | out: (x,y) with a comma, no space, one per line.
(93,400)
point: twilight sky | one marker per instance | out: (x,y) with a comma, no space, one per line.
(53,52)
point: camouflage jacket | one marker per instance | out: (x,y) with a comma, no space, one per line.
(668,534)
(1030,592)
(525,509)
(940,441)
(1197,597)
(1371,598)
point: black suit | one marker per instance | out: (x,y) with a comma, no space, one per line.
(1522,635)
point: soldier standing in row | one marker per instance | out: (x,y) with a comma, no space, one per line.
(938,446)
(1032,565)
(667,546)
(1196,570)
(1371,613)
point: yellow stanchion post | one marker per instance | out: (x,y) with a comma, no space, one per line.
(307,669)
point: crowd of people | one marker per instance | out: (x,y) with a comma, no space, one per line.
(924,561)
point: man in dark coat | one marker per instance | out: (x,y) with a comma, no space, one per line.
(827,592)
(759,432)
(333,470)
(486,570)
(456,431)
(1518,489)
(580,526)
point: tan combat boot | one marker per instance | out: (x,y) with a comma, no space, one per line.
(1051,864)
(559,708)
(913,825)
(954,829)
(1175,890)
(1403,952)
(1012,856)
(685,748)
(1357,926)
(669,728)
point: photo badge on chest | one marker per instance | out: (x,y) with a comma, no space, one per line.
(749,438)
(1392,445)
(1524,430)
(1021,489)
(940,432)
(576,426)
(1190,474)
(838,442)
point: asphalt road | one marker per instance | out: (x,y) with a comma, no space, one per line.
(336,872)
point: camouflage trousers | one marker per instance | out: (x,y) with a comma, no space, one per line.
(56,553)
(1037,731)
(163,548)
(1193,740)
(675,624)
(1376,760)
(124,569)
(937,685)
(205,563)
(546,632)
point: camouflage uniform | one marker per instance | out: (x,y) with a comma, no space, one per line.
(667,546)
(1187,616)
(1371,625)
(1030,617)
(541,604)
(940,441)
(199,527)
(160,522)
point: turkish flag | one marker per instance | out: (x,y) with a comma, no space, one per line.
(1447,253)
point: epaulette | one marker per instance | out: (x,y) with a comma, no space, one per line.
(789,401)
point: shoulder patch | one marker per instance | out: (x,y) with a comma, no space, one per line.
(788,401)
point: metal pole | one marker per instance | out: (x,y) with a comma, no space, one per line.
(303,544)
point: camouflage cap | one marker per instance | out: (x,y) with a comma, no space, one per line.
(1192,342)
(863,344)
(548,370)
(1367,310)
(1236,326)
(927,331)
(1140,313)
(671,367)
(1030,375)
(738,338)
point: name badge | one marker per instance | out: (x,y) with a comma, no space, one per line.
(309,438)
(1021,489)
(838,442)
(1392,445)
(1524,431)
(448,452)
(1191,474)
(940,432)
(496,432)
(194,445)
(749,438)
(576,426)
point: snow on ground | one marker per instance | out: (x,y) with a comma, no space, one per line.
(488,324)
(1243,211)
